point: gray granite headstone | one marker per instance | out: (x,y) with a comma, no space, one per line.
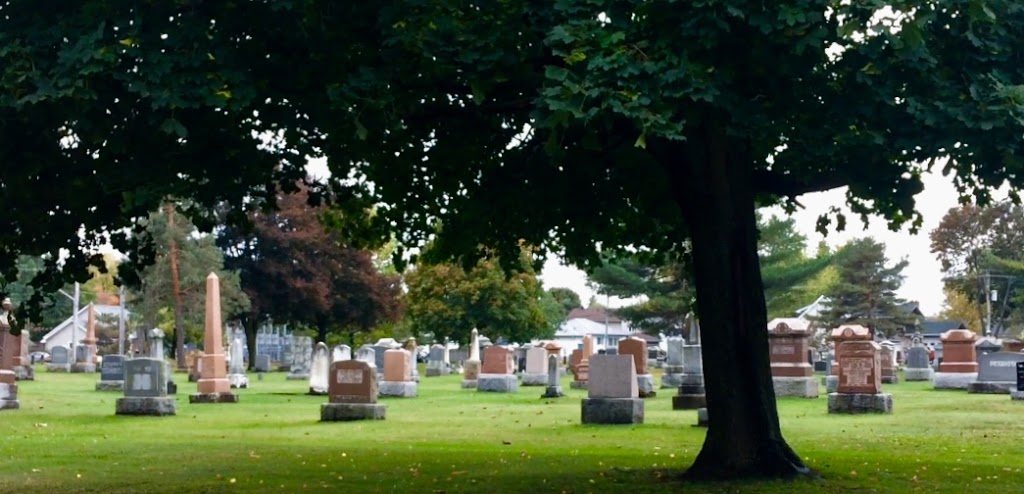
(999,367)
(368,354)
(341,352)
(144,377)
(81,353)
(674,356)
(59,356)
(917,358)
(378,359)
(436,353)
(112,368)
(262,363)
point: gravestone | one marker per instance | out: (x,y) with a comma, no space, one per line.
(85,352)
(612,393)
(341,352)
(918,366)
(554,387)
(367,354)
(192,360)
(213,385)
(352,392)
(60,360)
(997,373)
(672,372)
(888,355)
(471,366)
(156,350)
(690,392)
(262,363)
(860,380)
(111,374)
(318,371)
(792,375)
(959,366)
(436,364)
(302,358)
(23,370)
(520,359)
(638,349)
(378,352)
(536,371)
(846,332)
(236,373)
(1018,394)
(8,385)
(575,357)
(398,380)
(145,390)
(582,370)
(986,344)
(497,374)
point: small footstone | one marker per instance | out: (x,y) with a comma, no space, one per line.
(9,397)
(645,385)
(1017,396)
(238,380)
(917,374)
(831,384)
(398,389)
(497,383)
(702,417)
(146,405)
(110,386)
(613,411)
(855,403)
(553,392)
(344,412)
(213,398)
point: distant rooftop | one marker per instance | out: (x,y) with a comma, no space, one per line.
(596,314)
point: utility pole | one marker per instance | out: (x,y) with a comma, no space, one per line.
(607,302)
(74,317)
(988,303)
(120,321)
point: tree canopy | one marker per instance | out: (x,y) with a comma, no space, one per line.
(866,291)
(563,124)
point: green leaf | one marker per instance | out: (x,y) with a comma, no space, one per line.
(172,126)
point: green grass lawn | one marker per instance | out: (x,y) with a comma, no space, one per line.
(67,439)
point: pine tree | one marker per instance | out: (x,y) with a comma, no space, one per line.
(866,291)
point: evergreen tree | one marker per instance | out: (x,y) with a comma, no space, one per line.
(866,291)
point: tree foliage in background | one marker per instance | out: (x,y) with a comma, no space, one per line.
(866,291)
(566,298)
(198,256)
(788,274)
(294,270)
(980,249)
(666,289)
(446,301)
(577,126)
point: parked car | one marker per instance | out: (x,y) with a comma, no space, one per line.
(38,357)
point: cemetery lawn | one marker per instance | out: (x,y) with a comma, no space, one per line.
(66,439)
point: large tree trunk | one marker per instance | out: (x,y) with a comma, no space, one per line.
(251,328)
(715,192)
(179,304)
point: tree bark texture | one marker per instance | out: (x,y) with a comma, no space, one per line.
(179,314)
(712,178)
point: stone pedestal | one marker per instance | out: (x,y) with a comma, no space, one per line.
(553,392)
(645,385)
(110,386)
(213,398)
(297,376)
(1017,396)
(535,379)
(613,411)
(146,405)
(398,389)
(8,391)
(690,394)
(672,376)
(831,383)
(991,387)
(856,403)
(802,387)
(498,383)
(238,380)
(953,380)
(470,373)
(344,412)
(58,367)
(918,374)
(702,417)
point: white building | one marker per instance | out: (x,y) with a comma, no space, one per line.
(61,335)
(606,329)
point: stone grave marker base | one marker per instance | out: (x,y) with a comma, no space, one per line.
(498,383)
(535,379)
(9,397)
(831,384)
(469,383)
(238,380)
(912,374)
(317,392)
(553,392)
(110,386)
(689,402)
(147,405)
(953,380)
(801,387)
(671,381)
(613,411)
(58,367)
(24,373)
(702,417)
(645,385)
(213,398)
(297,377)
(436,372)
(398,389)
(345,412)
(578,385)
(83,368)
(890,379)
(991,388)
(1017,395)
(854,403)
